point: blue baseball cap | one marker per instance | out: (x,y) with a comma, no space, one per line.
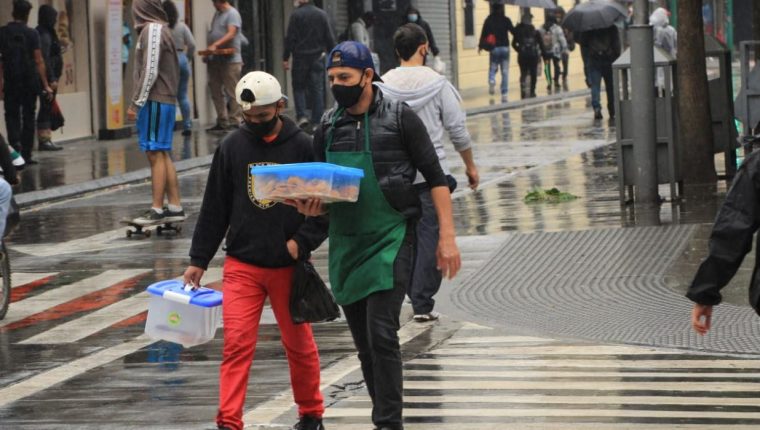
(352,54)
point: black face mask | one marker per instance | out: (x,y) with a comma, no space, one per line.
(265,128)
(424,58)
(348,95)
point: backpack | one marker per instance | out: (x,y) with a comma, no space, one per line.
(601,49)
(528,45)
(547,41)
(18,67)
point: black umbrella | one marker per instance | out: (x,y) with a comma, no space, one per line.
(594,14)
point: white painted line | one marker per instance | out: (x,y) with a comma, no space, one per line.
(111,239)
(543,413)
(103,318)
(282,402)
(591,385)
(498,424)
(549,374)
(592,363)
(540,399)
(492,340)
(19,279)
(556,350)
(69,370)
(35,304)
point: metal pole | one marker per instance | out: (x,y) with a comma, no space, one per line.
(643,106)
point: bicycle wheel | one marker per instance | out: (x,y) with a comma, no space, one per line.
(5,271)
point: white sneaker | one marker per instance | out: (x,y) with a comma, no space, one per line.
(430,316)
(17,159)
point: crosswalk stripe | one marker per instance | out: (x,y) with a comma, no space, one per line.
(282,402)
(19,279)
(32,305)
(591,384)
(554,350)
(492,340)
(545,413)
(602,362)
(550,399)
(69,370)
(549,374)
(103,318)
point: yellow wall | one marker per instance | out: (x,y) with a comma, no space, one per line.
(473,68)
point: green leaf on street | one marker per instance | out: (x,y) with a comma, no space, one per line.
(552,195)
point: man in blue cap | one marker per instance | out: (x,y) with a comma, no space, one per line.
(372,241)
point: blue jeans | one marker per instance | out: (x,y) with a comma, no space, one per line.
(184,101)
(5,203)
(309,81)
(499,58)
(597,72)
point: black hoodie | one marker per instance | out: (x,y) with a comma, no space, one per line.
(257,232)
(49,44)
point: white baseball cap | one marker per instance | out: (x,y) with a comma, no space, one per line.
(258,89)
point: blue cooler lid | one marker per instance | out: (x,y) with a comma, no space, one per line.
(175,291)
(306,169)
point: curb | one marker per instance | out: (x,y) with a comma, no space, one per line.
(527,102)
(34,198)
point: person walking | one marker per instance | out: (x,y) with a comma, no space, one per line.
(185,44)
(372,241)
(264,240)
(554,45)
(153,105)
(24,79)
(224,70)
(730,241)
(527,43)
(665,38)
(494,38)
(359,29)
(438,104)
(309,37)
(413,16)
(560,13)
(603,49)
(52,54)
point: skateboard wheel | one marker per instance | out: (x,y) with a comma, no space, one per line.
(129,233)
(147,233)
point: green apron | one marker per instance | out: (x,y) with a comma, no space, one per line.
(366,236)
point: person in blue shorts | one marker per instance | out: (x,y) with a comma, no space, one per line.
(153,105)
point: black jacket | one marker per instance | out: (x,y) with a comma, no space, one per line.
(49,44)
(309,32)
(527,41)
(257,231)
(603,45)
(731,238)
(400,146)
(499,26)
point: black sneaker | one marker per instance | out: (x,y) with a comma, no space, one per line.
(170,216)
(150,217)
(598,114)
(217,128)
(308,422)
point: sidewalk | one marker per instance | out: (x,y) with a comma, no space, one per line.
(90,165)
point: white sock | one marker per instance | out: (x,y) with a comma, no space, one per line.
(173,208)
(158,210)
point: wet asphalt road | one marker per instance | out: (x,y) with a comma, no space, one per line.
(71,351)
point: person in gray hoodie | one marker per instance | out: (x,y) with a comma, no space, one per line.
(437,103)
(153,105)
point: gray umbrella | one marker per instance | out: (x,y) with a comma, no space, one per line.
(544,4)
(594,14)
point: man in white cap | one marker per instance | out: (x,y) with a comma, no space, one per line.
(264,240)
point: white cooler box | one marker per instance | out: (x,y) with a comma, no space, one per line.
(183,315)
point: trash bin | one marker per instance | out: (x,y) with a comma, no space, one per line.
(668,161)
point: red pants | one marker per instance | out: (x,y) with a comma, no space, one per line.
(245,288)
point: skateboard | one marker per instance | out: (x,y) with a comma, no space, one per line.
(146,229)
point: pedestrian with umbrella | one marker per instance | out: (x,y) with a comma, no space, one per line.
(596,21)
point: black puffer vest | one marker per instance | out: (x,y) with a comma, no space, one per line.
(390,157)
